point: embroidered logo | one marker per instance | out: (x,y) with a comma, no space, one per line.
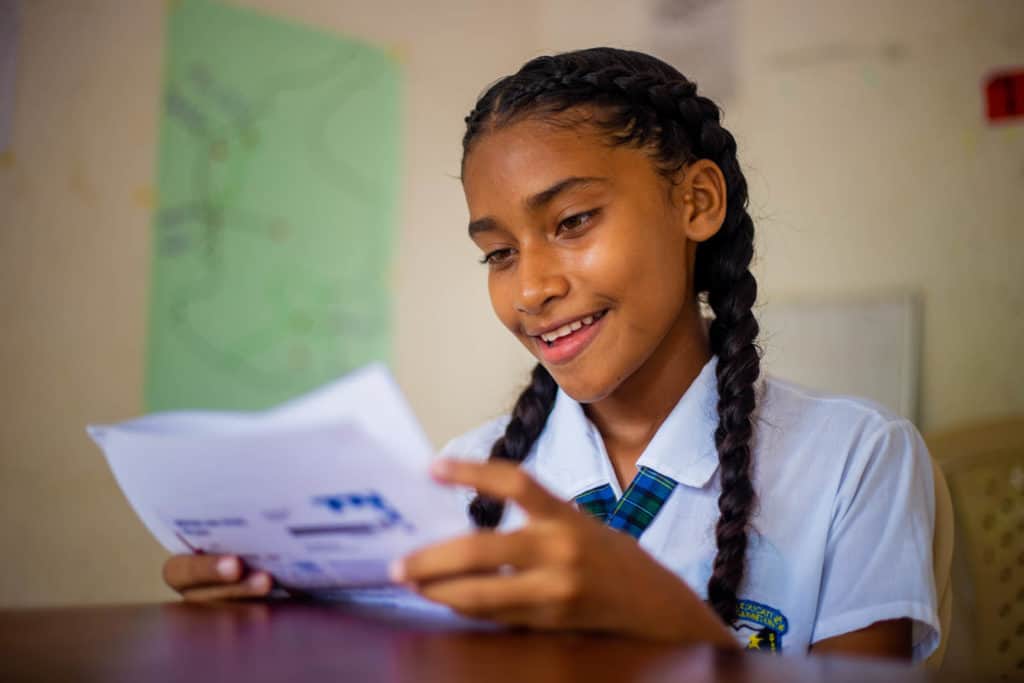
(763,626)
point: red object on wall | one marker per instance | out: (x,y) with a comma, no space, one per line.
(1004,95)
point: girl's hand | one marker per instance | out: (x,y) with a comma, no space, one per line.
(562,570)
(201,578)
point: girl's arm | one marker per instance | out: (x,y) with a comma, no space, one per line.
(563,570)
(882,639)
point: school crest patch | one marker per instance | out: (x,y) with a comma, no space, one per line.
(762,625)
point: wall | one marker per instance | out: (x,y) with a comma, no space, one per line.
(74,255)
(859,126)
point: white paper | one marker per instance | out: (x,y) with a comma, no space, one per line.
(321,492)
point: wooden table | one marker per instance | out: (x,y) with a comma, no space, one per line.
(290,641)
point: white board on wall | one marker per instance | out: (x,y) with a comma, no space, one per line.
(867,347)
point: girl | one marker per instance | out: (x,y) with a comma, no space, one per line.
(655,487)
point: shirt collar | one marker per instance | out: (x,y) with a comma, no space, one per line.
(571,458)
(683,448)
(570,452)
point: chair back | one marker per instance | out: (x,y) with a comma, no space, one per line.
(984,465)
(942,562)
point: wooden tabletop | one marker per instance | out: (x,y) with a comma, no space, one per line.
(291,641)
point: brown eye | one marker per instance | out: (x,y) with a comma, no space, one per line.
(576,221)
(496,257)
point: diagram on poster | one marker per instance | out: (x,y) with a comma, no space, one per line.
(276,203)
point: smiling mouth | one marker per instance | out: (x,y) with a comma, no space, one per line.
(550,338)
(563,344)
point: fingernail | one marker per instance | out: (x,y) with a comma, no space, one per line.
(396,571)
(228,567)
(441,467)
(259,581)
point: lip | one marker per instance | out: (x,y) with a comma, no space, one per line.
(565,321)
(565,349)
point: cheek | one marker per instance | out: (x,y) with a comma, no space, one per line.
(500,292)
(665,278)
(606,266)
(646,275)
(649,279)
(663,289)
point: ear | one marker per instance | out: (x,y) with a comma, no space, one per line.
(702,197)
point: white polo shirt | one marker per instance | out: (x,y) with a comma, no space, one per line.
(842,530)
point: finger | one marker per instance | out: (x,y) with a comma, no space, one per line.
(501,480)
(474,553)
(256,585)
(485,595)
(182,572)
(534,616)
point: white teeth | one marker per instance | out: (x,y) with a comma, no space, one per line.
(567,329)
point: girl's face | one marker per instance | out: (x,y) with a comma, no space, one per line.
(589,260)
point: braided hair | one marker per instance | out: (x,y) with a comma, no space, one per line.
(642,102)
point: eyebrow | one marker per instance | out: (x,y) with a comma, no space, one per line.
(539,200)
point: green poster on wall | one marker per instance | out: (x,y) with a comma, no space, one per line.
(277,194)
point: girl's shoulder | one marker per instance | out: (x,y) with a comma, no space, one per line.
(476,443)
(818,432)
(846,491)
(802,411)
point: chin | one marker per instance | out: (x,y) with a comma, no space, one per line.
(583,387)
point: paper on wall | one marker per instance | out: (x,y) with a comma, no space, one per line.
(698,37)
(277,197)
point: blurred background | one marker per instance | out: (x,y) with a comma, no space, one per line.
(260,194)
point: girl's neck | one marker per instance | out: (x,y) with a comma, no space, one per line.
(630,416)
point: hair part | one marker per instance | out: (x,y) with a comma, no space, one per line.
(639,101)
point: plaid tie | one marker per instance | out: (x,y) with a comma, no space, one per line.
(637,508)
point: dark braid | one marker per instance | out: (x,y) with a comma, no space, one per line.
(529,416)
(731,292)
(640,101)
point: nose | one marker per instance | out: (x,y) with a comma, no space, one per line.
(541,280)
